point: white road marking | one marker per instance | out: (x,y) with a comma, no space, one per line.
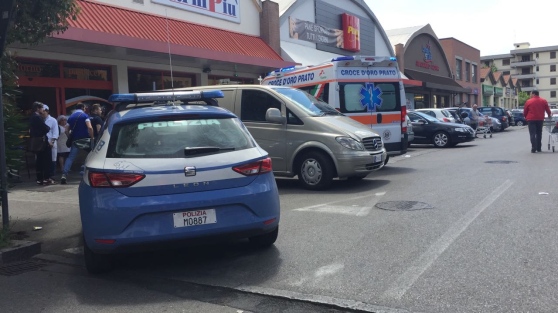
(319,275)
(354,210)
(405,281)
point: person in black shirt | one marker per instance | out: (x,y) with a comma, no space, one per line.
(38,128)
(96,120)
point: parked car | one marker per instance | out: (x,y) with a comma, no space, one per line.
(305,136)
(496,125)
(429,130)
(554,114)
(496,112)
(455,114)
(519,118)
(410,132)
(164,172)
(511,120)
(441,114)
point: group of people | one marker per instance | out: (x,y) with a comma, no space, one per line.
(55,134)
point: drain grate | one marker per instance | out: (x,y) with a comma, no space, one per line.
(16,268)
(500,162)
(403,205)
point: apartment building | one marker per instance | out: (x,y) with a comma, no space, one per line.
(534,68)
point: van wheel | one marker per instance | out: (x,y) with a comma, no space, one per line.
(316,171)
(96,263)
(265,240)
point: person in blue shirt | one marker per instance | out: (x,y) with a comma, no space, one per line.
(79,127)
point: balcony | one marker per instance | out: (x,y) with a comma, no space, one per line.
(528,88)
(525,76)
(523,63)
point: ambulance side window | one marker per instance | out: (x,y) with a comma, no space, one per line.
(317,91)
(254,105)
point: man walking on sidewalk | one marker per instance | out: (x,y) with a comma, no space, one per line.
(79,127)
(534,114)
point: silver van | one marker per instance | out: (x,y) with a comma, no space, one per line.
(304,136)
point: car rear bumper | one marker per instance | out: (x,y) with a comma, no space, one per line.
(143,223)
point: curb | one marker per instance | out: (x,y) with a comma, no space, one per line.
(20,250)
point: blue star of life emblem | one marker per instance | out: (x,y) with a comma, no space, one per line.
(370,97)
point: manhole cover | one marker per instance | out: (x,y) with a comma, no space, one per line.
(17,268)
(500,162)
(403,205)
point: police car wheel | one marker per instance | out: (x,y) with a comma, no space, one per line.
(96,263)
(316,171)
(265,240)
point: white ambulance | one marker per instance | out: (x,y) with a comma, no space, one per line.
(368,89)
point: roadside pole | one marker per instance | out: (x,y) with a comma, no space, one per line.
(6,15)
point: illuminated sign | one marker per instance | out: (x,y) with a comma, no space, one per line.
(223,9)
(427,59)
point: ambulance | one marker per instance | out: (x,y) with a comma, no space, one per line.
(369,89)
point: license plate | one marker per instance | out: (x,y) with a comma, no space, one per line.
(194,218)
(377,158)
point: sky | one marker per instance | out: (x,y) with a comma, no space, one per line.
(492,26)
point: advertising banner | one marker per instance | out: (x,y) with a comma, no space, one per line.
(351,32)
(308,31)
(222,9)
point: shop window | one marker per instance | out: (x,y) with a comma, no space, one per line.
(142,80)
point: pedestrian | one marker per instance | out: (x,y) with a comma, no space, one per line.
(96,120)
(52,136)
(79,127)
(475,116)
(38,129)
(62,150)
(534,114)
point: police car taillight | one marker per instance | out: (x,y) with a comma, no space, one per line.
(114,180)
(254,168)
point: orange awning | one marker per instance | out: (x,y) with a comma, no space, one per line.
(115,26)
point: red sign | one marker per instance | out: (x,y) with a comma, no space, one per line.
(351,32)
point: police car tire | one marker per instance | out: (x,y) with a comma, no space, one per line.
(96,263)
(265,240)
(326,166)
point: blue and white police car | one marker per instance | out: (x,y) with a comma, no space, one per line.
(169,167)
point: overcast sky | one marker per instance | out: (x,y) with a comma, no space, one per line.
(492,26)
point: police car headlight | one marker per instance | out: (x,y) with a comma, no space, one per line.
(350,143)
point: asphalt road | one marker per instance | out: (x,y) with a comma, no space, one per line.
(466,230)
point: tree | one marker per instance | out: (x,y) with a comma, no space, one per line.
(523,97)
(493,68)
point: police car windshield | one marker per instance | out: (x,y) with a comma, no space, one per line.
(178,138)
(307,102)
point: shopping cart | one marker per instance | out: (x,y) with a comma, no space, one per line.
(484,126)
(552,127)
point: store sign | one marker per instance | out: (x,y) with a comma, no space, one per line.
(427,62)
(351,32)
(222,9)
(498,91)
(487,90)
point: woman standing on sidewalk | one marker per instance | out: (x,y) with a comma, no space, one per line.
(63,150)
(38,129)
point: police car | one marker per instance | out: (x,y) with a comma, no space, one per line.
(169,167)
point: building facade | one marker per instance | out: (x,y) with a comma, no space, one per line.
(533,68)
(143,45)
(422,58)
(465,61)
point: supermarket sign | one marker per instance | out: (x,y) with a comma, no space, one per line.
(222,9)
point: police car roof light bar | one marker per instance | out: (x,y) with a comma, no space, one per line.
(166,96)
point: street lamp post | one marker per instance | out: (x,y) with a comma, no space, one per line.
(6,16)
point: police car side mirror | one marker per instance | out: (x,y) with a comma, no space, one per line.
(83,144)
(273,115)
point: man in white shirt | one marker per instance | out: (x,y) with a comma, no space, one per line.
(52,136)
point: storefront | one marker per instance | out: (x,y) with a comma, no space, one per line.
(422,58)
(158,44)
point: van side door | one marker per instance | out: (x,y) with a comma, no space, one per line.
(271,137)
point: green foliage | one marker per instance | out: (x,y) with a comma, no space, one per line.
(493,68)
(523,97)
(36,20)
